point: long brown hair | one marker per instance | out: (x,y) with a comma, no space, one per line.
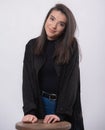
(62,51)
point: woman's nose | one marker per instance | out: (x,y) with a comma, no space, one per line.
(54,25)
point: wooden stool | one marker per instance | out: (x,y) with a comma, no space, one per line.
(63,125)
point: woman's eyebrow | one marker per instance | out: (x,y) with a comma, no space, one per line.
(59,21)
(52,16)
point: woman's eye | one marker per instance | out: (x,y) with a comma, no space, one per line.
(62,24)
(51,18)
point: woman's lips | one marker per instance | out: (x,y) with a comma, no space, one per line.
(51,30)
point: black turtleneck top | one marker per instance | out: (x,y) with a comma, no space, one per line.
(48,79)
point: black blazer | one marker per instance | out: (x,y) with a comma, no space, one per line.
(68,101)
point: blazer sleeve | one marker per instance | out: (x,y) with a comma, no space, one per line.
(29,106)
(69,84)
(69,100)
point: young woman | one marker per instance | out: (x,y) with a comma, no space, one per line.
(51,77)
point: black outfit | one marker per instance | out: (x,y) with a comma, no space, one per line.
(68,86)
(48,79)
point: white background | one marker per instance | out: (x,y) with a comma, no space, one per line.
(21,20)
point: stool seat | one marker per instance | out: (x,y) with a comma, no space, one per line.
(63,125)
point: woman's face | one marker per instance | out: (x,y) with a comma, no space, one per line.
(55,24)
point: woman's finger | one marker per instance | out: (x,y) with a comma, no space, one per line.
(46,119)
(29,118)
(34,120)
(51,119)
(55,120)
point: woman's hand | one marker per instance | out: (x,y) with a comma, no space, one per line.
(51,118)
(29,119)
